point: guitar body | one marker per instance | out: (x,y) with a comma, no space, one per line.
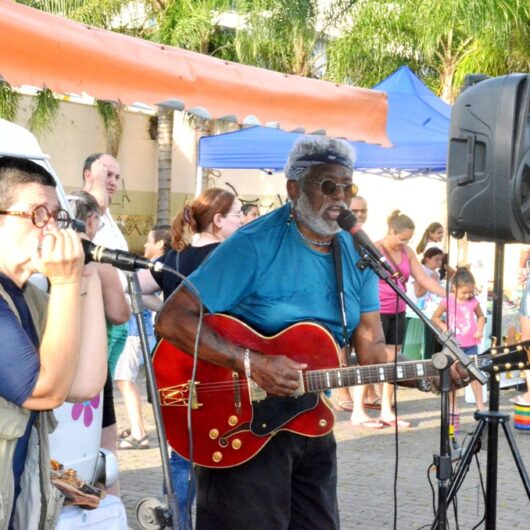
(231,420)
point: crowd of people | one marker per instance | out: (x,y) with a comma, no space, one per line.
(270,272)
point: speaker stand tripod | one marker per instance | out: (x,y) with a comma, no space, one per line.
(491,418)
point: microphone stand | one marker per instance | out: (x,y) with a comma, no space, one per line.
(442,361)
(149,512)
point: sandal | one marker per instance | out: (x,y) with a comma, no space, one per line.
(124,434)
(346,406)
(133,443)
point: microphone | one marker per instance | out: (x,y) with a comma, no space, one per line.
(126,261)
(347,221)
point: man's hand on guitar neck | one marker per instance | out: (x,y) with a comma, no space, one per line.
(276,374)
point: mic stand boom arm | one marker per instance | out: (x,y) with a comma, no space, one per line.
(445,338)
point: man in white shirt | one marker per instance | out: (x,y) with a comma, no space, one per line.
(101,175)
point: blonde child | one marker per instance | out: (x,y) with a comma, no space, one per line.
(465,319)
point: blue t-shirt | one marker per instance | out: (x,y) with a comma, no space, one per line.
(266,275)
(19,366)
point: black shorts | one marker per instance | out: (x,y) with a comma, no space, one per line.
(108,413)
(393,327)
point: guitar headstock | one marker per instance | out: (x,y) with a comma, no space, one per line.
(505,358)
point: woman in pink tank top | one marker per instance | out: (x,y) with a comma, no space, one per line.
(404,261)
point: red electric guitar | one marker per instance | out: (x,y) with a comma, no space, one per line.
(232,418)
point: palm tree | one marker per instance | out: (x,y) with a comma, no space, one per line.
(287,36)
(165,144)
(442,41)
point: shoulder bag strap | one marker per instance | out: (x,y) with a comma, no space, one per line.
(399,274)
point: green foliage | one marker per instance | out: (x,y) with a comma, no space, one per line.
(44,113)
(117,15)
(191,24)
(446,40)
(110,113)
(9,100)
(286,36)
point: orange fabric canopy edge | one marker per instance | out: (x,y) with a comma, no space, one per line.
(40,49)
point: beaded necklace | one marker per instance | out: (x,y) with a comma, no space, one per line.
(309,240)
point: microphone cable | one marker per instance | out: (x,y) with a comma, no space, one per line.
(194,292)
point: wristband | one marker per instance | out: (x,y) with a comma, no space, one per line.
(246,364)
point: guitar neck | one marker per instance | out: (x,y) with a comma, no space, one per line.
(319,380)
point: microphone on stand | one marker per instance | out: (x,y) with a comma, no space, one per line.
(120,259)
(347,221)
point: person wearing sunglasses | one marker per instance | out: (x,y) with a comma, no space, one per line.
(53,346)
(275,271)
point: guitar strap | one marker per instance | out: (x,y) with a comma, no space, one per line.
(337,261)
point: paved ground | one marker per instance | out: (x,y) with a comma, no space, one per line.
(371,485)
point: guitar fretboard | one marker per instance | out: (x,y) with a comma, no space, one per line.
(318,380)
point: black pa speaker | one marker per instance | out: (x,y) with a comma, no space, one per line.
(488,166)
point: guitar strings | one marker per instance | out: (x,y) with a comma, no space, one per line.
(369,374)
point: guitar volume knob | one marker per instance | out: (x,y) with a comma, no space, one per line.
(236,444)
(217,457)
(214,434)
(232,421)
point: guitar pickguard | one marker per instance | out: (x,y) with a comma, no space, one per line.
(274,412)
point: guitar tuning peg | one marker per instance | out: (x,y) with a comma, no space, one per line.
(504,340)
(493,341)
(498,378)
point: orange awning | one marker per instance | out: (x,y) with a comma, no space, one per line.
(40,49)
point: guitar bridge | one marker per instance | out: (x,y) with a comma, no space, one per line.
(179,396)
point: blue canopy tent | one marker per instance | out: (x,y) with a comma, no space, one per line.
(418,126)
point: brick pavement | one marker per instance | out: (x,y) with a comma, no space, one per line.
(367,466)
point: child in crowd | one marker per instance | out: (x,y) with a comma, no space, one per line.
(465,319)
(432,237)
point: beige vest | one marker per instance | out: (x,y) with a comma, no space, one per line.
(39,503)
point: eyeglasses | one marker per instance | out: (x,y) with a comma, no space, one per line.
(329,187)
(235,214)
(360,210)
(40,216)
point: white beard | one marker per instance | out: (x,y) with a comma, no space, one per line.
(315,220)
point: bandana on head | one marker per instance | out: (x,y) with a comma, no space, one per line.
(300,166)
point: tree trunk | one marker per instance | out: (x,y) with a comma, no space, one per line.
(202,127)
(165,144)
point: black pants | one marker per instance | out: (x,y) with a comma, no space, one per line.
(290,484)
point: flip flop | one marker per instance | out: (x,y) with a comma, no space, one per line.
(133,443)
(518,400)
(370,424)
(346,406)
(400,423)
(375,404)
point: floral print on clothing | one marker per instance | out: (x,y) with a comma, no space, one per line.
(85,409)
